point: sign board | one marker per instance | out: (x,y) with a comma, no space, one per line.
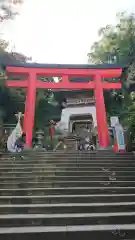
(80,101)
(119,133)
(114,120)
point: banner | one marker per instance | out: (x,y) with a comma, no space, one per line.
(16,133)
(119,133)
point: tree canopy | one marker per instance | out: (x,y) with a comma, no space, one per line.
(116,44)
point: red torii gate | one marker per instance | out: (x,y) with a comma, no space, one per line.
(97,72)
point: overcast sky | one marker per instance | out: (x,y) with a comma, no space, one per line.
(61,31)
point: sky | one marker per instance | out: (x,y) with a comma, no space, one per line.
(61,31)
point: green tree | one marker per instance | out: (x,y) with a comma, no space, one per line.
(11,100)
(116,44)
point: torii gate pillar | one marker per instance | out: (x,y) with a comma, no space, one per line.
(102,126)
(30,108)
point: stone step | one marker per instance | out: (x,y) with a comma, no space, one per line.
(36,159)
(64,164)
(66,156)
(53,157)
(50,208)
(56,178)
(68,169)
(35,184)
(58,153)
(21,172)
(71,175)
(64,219)
(63,171)
(112,232)
(65,161)
(67,191)
(48,199)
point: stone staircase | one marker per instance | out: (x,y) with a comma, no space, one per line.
(67,196)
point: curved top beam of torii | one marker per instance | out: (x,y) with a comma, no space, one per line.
(97,72)
(65,70)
